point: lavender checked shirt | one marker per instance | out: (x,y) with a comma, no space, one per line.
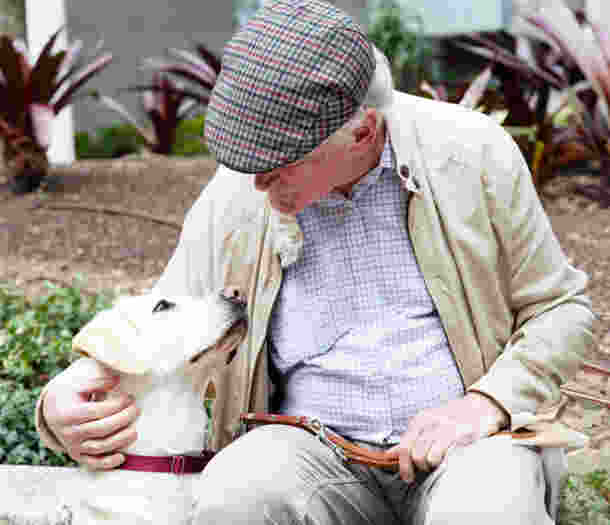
(354,333)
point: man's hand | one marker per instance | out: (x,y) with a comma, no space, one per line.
(431,432)
(91,432)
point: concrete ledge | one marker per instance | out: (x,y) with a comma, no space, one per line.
(33,495)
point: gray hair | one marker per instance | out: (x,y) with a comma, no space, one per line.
(381,89)
(379,96)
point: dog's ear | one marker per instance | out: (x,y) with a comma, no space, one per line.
(113,336)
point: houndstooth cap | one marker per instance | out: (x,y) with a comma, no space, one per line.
(291,77)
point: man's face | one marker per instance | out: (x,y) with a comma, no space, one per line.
(293,187)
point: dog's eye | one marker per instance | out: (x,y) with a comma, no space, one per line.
(163,305)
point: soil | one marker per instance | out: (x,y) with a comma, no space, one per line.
(51,235)
(111,251)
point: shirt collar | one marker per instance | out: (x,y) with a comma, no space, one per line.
(287,232)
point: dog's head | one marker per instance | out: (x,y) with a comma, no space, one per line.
(155,333)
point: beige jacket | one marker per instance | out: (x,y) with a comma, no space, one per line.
(513,308)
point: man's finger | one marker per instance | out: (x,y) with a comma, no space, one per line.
(100,384)
(107,426)
(407,468)
(94,410)
(420,450)
(101,462)
(436,454)
(114,443)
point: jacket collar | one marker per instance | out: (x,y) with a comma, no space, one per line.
(403,125)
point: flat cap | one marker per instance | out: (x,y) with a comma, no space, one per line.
(291,76)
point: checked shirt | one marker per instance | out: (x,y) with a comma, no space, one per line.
(354,334)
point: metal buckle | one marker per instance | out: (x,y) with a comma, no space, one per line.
(321,434)
(178,462)
(241,428)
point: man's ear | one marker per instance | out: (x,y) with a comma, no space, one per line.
(365,134)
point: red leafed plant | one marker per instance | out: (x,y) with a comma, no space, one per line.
(31,96)
(200,69)
(167,102)
(555,87)
(528,74)
(587,44)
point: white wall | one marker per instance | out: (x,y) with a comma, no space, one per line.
(42,20)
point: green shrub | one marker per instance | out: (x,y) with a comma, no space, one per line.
(108,143)
(35,347)
(398,33)
(581,499)
(122,139)
(39,337)
(189,138)
(19,442)
(12,303)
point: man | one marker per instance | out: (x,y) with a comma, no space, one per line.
(404,287)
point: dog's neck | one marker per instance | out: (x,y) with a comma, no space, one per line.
(172,416)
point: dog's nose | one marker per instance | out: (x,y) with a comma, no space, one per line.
(234,294)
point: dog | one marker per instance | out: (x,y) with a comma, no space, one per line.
(152,341)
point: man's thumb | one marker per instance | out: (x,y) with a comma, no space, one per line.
(101,384)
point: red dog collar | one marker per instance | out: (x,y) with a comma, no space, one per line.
(169,464)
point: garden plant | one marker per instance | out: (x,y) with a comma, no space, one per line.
(398,33)
(35,346)
(31,96)
(120,139)
(167,102)
(554,79)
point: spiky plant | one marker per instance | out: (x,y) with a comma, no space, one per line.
(167,102)
(555,85)
(200,69)
(587,44)
(31,96)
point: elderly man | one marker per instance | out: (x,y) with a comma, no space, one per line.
(404,286)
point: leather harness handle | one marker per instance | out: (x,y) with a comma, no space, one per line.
(345,449)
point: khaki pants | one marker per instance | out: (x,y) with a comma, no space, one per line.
(282,475)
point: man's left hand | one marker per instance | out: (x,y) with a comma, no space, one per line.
(432,431)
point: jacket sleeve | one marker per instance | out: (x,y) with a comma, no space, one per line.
(552,315)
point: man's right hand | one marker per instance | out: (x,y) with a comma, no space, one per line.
(91,431)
